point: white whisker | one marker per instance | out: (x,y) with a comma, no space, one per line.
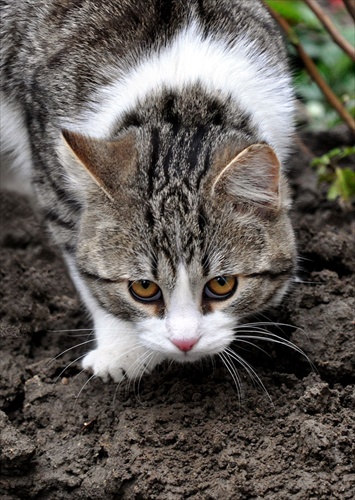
(71,330)
(83,387)
(233,373)
(65,369)
(278,340)
(275,324)
(250,370)
(70,349)
(241,340)
(145,362)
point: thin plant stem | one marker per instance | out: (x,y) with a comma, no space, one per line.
(331,28)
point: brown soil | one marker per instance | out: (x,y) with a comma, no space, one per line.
(181,433)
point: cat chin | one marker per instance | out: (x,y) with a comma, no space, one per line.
(128,350)
(215,334)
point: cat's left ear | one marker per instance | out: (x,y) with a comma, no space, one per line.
(110,164)
(253,177)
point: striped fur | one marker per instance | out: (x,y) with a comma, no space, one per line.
(154,132)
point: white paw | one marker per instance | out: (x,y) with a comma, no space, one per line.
(111,363)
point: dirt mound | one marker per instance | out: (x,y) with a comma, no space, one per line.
(181,433)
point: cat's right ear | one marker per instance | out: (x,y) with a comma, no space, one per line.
(253,177)
(110,164)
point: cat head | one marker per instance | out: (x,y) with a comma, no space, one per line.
(183,234)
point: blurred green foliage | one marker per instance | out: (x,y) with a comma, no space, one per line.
(338,70)
(334,65)
(341,181)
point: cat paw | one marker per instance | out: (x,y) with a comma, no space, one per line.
(106,363)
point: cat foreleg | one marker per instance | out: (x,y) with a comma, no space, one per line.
(119,352)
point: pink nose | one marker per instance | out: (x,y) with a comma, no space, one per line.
(185,345)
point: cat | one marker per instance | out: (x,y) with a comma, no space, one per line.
(154,133)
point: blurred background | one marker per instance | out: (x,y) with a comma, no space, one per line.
(321,42)
(333,63)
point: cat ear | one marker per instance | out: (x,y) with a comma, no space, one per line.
(109,163)
(252,176)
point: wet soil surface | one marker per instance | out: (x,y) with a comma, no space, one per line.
(181,432)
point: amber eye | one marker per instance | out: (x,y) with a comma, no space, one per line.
(145,290)
(221,287)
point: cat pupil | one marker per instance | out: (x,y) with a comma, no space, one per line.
(221,281)
(145,284)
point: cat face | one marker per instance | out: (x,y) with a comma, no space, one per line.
(185,261)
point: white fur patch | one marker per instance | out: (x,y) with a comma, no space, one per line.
(183,319)
(15,147)
(239,71)
(119,351)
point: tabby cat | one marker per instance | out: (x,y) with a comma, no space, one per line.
(154,132)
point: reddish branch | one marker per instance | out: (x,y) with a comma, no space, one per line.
(313,71)
(330,27)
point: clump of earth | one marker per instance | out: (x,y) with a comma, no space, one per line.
(183,431)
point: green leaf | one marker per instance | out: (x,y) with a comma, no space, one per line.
(335,154)
(345,181)
(320,162)
(333,192)
(343,186)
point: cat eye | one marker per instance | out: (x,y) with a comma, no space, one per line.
(221,287)
(145,291)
